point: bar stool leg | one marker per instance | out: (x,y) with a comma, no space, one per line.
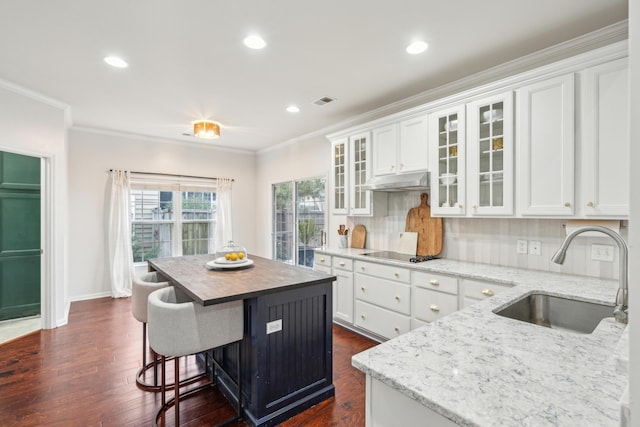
(176,407)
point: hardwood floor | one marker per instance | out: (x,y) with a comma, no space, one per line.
(83,374)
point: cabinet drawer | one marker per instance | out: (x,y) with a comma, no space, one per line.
(431,305)
(323,268)
(343,263)
(428,280)
(380,321)
(389,272)
(477,289)
(392,295)
(320,259)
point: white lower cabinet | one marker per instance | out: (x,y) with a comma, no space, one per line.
(477,290)
(343,289)
(382,299)
(434,296)
(386,407)
(385,323)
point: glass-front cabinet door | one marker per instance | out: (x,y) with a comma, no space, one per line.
(340,177)
(447,145)
(490,155)
(360,163)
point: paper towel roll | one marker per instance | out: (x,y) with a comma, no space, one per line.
(574,224)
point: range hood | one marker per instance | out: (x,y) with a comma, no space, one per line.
(418,181)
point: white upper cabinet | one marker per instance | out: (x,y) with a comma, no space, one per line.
(545,134)
(490,155)
(413,150)
(447,154)
(340,176)
(401,147)
(604,143)
(385,146)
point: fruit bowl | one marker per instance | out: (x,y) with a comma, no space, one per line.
(231,253)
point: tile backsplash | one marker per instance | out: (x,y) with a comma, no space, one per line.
(494,241)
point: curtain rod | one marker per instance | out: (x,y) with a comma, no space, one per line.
(172,174)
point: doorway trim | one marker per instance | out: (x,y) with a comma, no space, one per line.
(49,293)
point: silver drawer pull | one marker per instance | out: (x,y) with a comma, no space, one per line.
(590,204)
(362,289)
(434,307)
(434,282)
(396,274)
(397,298)
(488,292)
(362,315)
(567,204)
(321,259)
(362,268)
(397,330)
(341,263)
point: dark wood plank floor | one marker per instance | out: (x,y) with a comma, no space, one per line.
(83,374)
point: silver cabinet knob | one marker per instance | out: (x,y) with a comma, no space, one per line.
(393,167)
(396,329)
(475,206)
(590,204)
(341,263)
(434,282)
(567,204)
(321,259)
(396,274)
(434,307)
(397,298)
(362,289)
(362,316)
(460,205)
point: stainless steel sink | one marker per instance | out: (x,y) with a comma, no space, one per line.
(558,312)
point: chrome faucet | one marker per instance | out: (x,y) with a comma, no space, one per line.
(621,310)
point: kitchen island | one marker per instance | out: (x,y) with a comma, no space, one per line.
(286,357)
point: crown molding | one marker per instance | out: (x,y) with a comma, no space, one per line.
(147,138)
(20,90)
(602,45)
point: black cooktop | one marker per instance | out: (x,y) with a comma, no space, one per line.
(399,256)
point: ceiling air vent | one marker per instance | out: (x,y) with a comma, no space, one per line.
(324,100)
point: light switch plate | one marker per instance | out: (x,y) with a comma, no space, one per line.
(535,247)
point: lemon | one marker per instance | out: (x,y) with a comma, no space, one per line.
(233,256)
(241,255)
(227,256)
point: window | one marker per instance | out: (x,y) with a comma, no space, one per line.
(171,223)
(298,217)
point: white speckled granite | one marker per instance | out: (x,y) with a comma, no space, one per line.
(480,369)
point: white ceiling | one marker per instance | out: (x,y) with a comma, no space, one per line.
(187,60)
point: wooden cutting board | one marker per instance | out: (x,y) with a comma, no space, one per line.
(358,236)
(429,229)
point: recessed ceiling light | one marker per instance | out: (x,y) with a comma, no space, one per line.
(293,109)
(254,42)
(114,61)
(417,47)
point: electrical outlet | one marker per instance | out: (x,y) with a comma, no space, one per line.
(521,247)
(601,252)
(535,247)
(274,326)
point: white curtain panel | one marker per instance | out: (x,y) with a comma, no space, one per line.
(119,236)
(224,226)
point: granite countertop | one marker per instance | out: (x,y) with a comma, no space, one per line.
(480,369)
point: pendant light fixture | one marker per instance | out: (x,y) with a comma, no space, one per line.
(206,129)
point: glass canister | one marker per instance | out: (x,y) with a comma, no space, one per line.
(231,252)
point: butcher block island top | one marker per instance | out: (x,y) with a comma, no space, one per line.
(216,286)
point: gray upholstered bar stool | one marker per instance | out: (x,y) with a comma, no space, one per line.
(141,288)
(179,327)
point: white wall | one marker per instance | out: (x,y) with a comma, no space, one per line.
(306,159)
(634,227)
(34,125)
(91,155)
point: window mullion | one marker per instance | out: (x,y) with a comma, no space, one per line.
(177,228)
